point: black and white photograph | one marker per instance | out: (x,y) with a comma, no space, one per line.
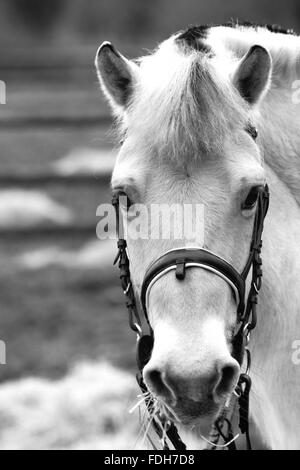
(149,227)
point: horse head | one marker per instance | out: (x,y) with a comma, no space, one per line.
(186,116)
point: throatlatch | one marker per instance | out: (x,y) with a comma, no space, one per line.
(179,260)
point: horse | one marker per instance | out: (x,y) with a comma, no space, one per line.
(186,115)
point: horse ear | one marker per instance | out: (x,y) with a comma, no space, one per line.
(252,77)
(116,75)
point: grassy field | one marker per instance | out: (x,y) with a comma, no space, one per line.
(53,317)
(69,378)
(87,409)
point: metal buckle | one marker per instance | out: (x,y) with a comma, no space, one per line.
(237,392)
(127,288)
(247,333)
(138,330)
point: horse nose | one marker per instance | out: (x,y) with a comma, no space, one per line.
(159,383)
(227,378)
(170,384)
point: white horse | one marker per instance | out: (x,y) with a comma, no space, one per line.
(183,112)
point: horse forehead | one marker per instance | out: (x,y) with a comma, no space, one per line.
(192,177)
(238,164)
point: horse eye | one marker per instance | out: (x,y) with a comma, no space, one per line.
(251,199)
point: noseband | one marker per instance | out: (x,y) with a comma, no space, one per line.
(179,261)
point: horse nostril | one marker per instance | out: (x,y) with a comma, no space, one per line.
(156,381)
(155,378)
(228,377)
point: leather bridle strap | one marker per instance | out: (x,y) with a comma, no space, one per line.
(179,260)
(183,258)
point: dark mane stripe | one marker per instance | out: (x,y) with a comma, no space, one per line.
(278,29)
(194,32)
(193,38)
(273,28)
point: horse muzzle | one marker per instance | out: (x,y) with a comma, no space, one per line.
(192,392)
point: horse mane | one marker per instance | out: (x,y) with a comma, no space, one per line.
(200,30)
(183,106)
(283,45)
(273,28)
(184,103)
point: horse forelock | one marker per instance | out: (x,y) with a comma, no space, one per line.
(184,105)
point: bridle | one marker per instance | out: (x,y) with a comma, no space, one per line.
(179,260)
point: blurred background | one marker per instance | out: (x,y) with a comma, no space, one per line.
(69,377)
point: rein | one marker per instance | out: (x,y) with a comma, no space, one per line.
(179,260)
